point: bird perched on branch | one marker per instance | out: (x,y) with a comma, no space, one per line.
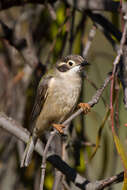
(57,97)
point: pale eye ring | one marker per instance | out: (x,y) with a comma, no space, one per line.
(71,63)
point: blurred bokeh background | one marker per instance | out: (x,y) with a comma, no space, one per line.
(32,38)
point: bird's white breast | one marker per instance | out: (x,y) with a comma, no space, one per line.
(64,92)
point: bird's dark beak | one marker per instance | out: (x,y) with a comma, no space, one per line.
(84,63)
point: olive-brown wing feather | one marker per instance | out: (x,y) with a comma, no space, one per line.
(42,92)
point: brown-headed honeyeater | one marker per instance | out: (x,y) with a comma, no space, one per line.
(57,97)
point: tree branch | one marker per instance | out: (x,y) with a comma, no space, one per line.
(100,5)
(108,27)
(111,180)
(15,129)
(92,102)
(5,4)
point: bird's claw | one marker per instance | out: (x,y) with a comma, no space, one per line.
(85,107)
(59,127)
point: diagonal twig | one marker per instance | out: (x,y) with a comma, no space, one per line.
(43,166)
(15,129)
(54,159)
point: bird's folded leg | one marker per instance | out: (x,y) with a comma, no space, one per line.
(85,106)
(59,127)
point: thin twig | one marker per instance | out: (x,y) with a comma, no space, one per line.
(43,166)
(123,69)
(58,176)
(86,144)
(14,128)
(16,131)
(51,11)
(66,185)
(93,5)
(116,61)
(90,39)
(92,102)
(95,87)
(114,179)
(102,21)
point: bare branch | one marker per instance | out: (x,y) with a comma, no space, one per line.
(7,33)
(15,129)
(100,5)
(102,21)
(92,102)
(120,52)
(90,39)
(94,5)
(43,165)
(114,179)
(8,4)
(123,66)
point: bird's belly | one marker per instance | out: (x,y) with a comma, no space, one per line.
(58,105)
(63,102)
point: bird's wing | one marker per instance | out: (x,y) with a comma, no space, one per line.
(42,92)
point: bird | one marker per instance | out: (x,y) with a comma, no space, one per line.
(56,99)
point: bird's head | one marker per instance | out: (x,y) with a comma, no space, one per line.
(71,64)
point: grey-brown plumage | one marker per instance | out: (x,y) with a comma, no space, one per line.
(57,97)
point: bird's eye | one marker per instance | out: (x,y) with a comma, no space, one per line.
(70,63)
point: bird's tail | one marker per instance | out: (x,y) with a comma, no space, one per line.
(27,155)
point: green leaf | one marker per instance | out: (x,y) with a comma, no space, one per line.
(123,156)
(120,150)
(98,138)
